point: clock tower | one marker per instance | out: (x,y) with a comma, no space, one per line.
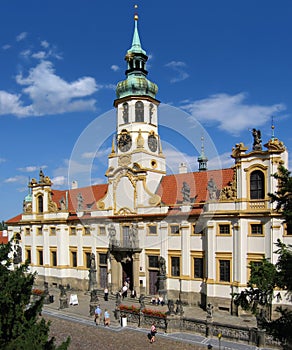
(136,163)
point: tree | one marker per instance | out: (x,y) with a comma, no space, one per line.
(3,226)
(266,277)
(21,326)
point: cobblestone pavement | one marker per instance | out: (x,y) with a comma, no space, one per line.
(91,337)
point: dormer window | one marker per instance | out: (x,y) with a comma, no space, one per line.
(257,185)
(139,111)
(40,204)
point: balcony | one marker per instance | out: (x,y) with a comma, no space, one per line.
(124,246)
(258,204)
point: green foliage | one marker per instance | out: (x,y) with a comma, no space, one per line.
(3,226)
(281,328)
(283,197)
(260,287)
(266,277)
(21,326)
(284,266)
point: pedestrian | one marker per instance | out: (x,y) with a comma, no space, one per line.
(106,294)
(124,291)
(106,318)
(153,332)
(97,315)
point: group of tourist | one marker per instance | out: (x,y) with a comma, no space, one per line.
(98,316)
(158,300)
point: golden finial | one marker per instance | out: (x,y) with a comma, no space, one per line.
(136,14)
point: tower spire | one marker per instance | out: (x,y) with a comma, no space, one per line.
(136,82)
(136,43)
(202,159)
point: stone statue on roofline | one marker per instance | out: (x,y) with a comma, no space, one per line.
(212,189)
(186,192)
(257,140)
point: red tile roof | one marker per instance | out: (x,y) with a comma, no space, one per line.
(171,185)
(3,238)
(169,189)
(90,195)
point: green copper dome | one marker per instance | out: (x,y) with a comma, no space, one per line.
(136,85)
(136,82)
(28,198)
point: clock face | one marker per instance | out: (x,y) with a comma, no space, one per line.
(152,143)
(124,142)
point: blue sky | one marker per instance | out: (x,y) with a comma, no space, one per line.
(226,63)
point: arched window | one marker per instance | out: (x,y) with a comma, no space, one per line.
(257,185)
(126,112)
(40,204)
(151,112)
(139,111)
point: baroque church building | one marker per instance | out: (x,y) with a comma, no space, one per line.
(191,235)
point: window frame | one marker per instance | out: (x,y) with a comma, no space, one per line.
(252,225)
(40,256)
(224,225)
(53,257)
(149,227)
(171,226)
(173,273)
(257,189)
(220,258)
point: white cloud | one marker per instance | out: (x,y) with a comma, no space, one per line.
(51,94)
(45,44)
(2,160)
(11,104)
(231,112)
(21,36)
(25,53)
(6,47)
(32,168)
(115,68)
(39,55)
(222,161)
(179,67)
(99,154)
(18,178)
(59,180)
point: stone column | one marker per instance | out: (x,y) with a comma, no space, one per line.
(136,271)
(115,275)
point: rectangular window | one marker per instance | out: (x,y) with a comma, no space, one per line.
(197,230)
(102,259)
(52,230)
(289,229)
(153,261)
(224,270)
(256,229)
(74,258)
(152,229)
(40,257)
(175,266)
(87,259)
(27,231)
(54,258)
(28,255)
(102,230)
(72,230)
(199,267)
(224,229)
(174,229)
(39,231)
(87,230)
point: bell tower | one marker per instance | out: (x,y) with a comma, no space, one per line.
(136,162)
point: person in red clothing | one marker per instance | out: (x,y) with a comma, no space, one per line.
(153,332)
